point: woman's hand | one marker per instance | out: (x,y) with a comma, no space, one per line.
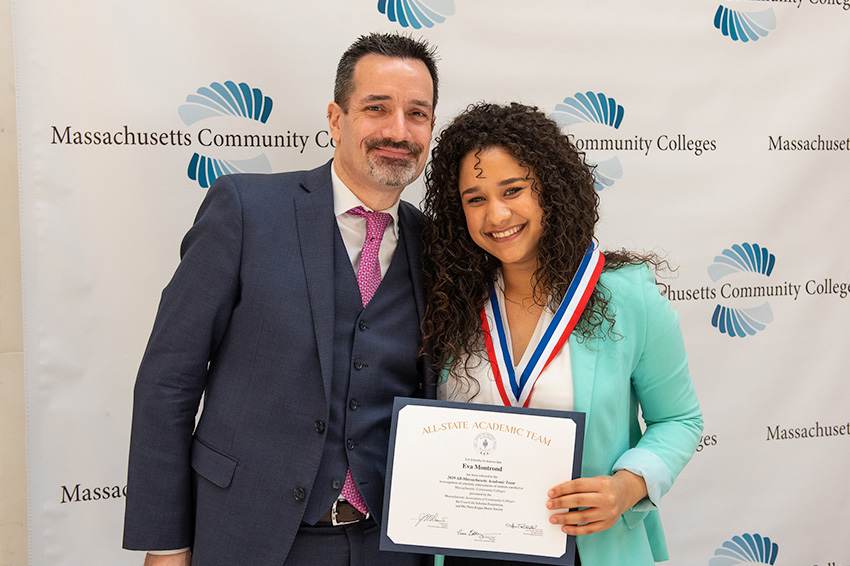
(599,501)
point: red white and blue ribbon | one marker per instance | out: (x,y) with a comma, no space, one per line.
(516,390)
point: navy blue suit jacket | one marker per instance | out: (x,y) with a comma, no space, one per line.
(247,321)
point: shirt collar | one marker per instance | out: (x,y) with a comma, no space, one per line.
(345,200)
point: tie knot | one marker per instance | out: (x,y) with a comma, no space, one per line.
(376,222)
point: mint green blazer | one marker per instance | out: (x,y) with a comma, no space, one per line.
(640,363)
(643,363)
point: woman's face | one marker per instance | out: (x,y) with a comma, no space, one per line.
(503,213)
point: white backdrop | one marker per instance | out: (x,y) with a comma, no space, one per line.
(721,148)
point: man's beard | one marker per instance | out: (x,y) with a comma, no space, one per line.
(391,171)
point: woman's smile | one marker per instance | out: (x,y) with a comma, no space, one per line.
(505,234)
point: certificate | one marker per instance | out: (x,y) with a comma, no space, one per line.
(472,480)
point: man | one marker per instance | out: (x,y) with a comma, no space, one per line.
(295,313)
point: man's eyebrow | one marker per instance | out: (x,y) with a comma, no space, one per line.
(375,98)
(382,97)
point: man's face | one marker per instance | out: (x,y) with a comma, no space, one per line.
(382,139)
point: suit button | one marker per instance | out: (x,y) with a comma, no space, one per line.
(353,404)
(362,325)
(349,444)
(336,484)
(320,427)
(299,494)
(358,364)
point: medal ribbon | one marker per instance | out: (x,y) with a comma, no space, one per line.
(517,392)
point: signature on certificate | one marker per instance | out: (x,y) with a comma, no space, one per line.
(431,518)
(478,536)
(523,526)
(527,529)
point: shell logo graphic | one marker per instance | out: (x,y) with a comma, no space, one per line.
(742,26)
(745,549)
(589,107)
(594,108)
(417,13)
(743,258)
(205,170)
(226,99)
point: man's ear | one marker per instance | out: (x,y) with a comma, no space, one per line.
(335,114)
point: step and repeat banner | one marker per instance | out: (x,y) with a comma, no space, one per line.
(721,137)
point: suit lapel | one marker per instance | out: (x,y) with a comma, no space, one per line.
(316,227)
(410,225)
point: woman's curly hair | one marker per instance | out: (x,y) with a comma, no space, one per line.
(457,272)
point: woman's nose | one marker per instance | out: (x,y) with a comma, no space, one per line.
(497,211)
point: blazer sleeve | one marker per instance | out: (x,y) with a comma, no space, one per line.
(192,318)
(671,412)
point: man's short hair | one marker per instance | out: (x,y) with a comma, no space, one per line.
(386,44)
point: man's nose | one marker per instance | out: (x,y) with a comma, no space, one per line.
(395,126)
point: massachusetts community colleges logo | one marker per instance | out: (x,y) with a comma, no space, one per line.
(594,120)
(743,284)
(416,13)
(744,258)
(596,108)
(227,100)
(226,128)
(745,549)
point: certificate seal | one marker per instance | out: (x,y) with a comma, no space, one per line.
(485,443)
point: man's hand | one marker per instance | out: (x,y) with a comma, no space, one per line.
(181,559)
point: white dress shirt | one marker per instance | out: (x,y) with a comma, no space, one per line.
(353,228)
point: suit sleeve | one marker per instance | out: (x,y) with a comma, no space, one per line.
(671,412)
(193,315)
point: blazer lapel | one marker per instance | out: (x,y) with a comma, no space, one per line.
(316,224)
(583,362)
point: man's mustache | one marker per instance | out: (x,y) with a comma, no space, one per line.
(413,148)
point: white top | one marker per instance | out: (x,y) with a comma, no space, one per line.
(554,387)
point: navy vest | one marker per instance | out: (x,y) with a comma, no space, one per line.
(375,359)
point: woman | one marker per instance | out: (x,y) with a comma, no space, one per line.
(511,208)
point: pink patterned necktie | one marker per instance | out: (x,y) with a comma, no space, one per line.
(368,279)
(369,272)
